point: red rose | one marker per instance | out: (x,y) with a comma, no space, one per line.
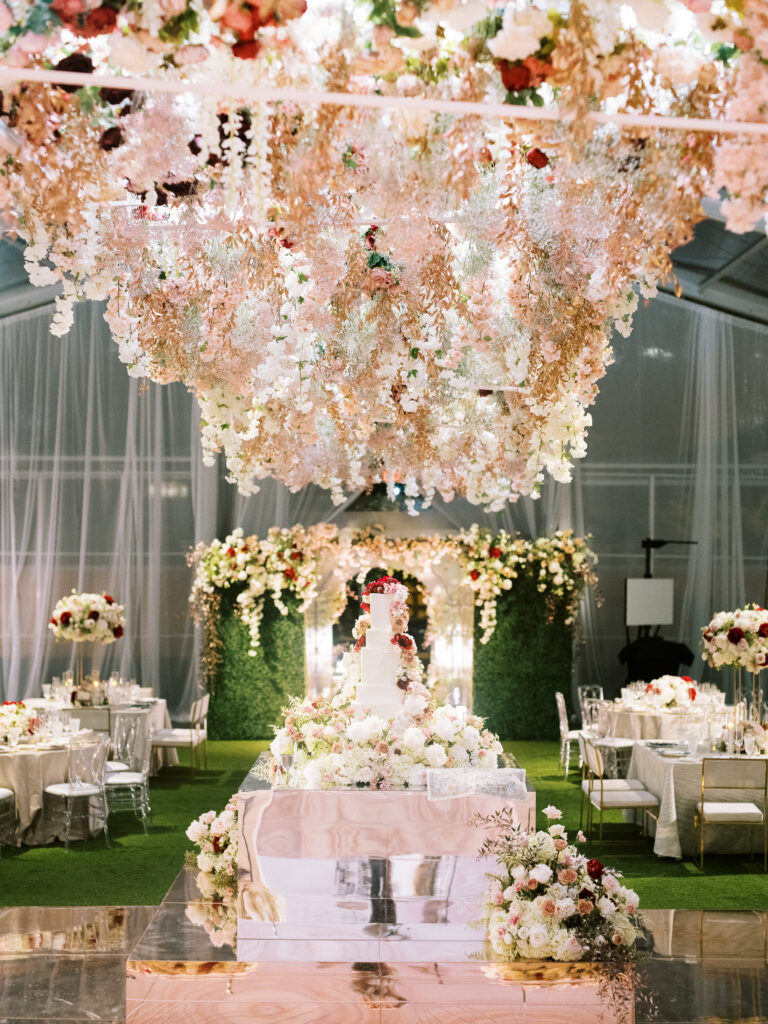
(595,869)
(402,684)
(403,641)
(495,552)
(54,622)
(692,692)
(117,632)
(289,574)
(65,617)
(246,49)
(762,629)
(514,77)
(585,894)
(365,606)
(109,599)
(360,643)
(474,575)
(536,158)
(296,556)
(231,552)
(100,21)
(93,615)
(735,634)
(686,679)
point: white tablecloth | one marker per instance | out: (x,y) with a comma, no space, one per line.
(647,725)
(676,783)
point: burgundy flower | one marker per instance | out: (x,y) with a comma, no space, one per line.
(403,641)
(115,96)
(117,632)
(402,684)
(762,629)
(54,622)
(514,77)
(100,20)
(94,615)
(77,62)
(595,869)
(65,617)
(495,552)
(474,575)
(536,158)
(585,894)
(246,49)
(296,556)
(735,634)
(111,139)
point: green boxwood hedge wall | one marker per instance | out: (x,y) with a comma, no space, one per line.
(248,693)
(518,671)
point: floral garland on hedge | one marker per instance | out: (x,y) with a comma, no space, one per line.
(286,565)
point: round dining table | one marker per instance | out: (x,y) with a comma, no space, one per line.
(27,769)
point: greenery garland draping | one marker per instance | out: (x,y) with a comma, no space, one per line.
(254,578)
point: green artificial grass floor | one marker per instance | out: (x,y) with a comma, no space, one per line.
(139,869)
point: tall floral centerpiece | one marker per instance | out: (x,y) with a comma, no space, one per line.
(739,639)
(87,618)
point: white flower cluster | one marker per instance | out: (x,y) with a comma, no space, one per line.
(549,901)
(215,836)
(738,639)
(97,618)
(671,692)
(14,714)
(335,744)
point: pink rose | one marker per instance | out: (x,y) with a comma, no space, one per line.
(567,876)
(547,906)
(32,42)
(6,18)
(532,883)
(190,55)
(560,844)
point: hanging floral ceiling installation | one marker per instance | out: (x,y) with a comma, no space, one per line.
(356,295)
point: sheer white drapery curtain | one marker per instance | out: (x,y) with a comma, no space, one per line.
(102,489)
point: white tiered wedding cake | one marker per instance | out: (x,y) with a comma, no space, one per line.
(381,657)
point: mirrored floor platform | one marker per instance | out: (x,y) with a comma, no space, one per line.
(173,963)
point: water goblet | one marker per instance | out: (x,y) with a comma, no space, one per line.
(14,735)
(749,743)
(47,691)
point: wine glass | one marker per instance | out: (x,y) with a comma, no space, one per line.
(749,743)
(14,735)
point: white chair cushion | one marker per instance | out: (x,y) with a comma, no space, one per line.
(572,735)
(65,789)
(719,810)
(125,779)
(175,738)
(6,794)
(623,798)
(614,742)
(116,766)
(618,785)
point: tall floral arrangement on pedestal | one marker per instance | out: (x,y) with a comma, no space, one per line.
(738,639)
(88,618)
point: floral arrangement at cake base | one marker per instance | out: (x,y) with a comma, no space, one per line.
(670,692)
(547,901)
(383,729)
(738,639)
(332,743)
(95,618)
(18,723)
(215,836)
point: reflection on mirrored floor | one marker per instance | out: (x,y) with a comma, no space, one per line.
(71,964)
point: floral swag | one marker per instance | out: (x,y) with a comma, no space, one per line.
(443,308)
(287,565)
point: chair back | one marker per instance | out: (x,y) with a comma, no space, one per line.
(593,759)
(130,739)
(562,714)
(586,693)
(87,760)
(205,700)
(734,773)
